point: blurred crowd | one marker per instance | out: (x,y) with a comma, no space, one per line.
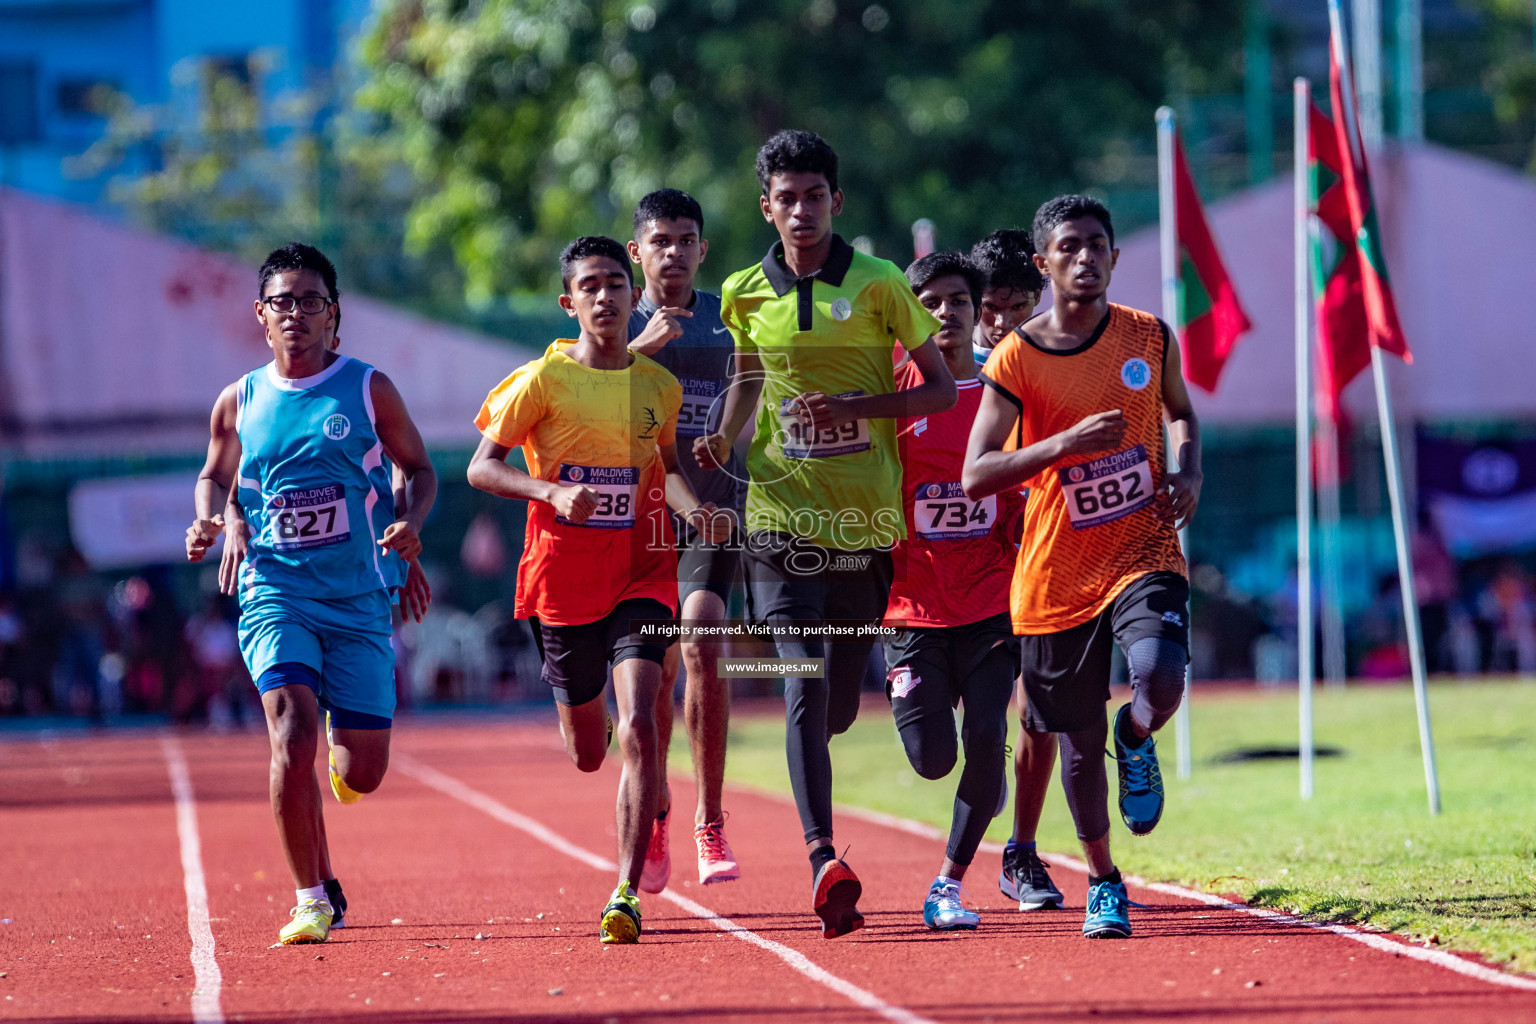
(1477,616)
(76,643)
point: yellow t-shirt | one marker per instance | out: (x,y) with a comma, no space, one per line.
(602,429)
(832,332)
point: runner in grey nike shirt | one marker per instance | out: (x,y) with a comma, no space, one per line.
(680,328)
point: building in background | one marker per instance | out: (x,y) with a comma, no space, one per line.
(61,59)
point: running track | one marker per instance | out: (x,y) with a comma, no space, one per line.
(476,874)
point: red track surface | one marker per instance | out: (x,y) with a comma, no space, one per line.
(94,889)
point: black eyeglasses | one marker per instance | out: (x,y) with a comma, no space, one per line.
(284,303)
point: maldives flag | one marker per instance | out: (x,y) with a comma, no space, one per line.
(1343,332)
(1380,310)
(1211,318)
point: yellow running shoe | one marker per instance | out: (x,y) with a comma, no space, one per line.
(311,923)
(621,917)
(345,795)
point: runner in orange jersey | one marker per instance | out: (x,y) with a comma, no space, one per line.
(1075,407)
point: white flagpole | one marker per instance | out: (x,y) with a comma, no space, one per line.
(1328,518)
(1303,309)
(1168,252)
(1389,452)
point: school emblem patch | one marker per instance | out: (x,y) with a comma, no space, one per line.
(337,427)
(1135,374)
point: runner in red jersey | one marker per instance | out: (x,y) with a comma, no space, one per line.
(949,601)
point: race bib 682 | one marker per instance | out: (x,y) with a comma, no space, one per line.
(1107,489)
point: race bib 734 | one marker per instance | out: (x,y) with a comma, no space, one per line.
(1108,488)
(941,511)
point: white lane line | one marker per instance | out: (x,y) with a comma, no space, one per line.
(209,979)
(1375,940)
(450,786)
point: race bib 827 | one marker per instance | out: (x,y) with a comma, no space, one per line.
(1107,489)
(616,487)
(310,518)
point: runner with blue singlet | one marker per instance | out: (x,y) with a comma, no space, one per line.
(299,478)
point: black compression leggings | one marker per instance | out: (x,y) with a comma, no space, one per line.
(925,720)
(815,710)
(1157,687)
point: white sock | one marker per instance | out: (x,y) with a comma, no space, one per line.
(314,892)
(939,880)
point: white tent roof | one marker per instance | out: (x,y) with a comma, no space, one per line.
(117,342)
(1460,238)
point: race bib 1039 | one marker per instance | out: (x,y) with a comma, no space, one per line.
(617,488)
(802,442)
(1107,489)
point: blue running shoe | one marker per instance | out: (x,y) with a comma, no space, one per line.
(1108,914)
(1141,780)
(943,911)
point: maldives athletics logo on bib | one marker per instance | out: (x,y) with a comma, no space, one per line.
(1135,374)
(336,427)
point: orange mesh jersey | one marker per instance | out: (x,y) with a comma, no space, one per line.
(1089,526)
(602,429)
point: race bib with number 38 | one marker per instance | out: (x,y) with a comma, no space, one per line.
(802,442)
(310,518)
(1107,489)
(617,488)
(943,512)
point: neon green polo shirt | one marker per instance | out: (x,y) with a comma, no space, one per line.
(834,332)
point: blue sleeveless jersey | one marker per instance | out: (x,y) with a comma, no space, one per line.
(315,484)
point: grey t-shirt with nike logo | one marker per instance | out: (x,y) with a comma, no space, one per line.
(702,360)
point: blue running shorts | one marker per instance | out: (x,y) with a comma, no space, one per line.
(345,640)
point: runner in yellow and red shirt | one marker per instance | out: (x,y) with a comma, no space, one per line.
(949,601)
(597,426)
(1079,395)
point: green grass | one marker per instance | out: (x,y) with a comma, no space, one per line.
(1363,850)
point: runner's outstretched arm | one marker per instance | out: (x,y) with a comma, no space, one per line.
(402,442)
(1181,494)
(713,450)
(218,509)
(989,469)
(713,523)
(490,472)
(936,393)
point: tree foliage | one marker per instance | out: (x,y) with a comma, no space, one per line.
(531,121)
(242,177)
